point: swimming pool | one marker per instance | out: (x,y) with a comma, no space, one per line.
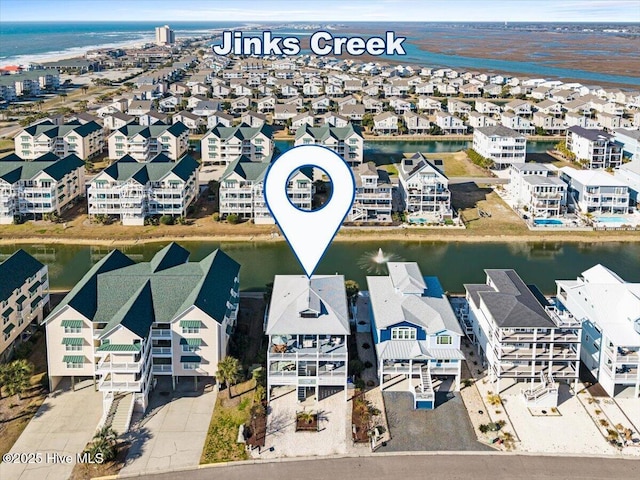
(547,221)
(611,219)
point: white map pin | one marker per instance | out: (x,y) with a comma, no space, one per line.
(309,233)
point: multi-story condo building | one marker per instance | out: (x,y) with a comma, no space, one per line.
(125,323)
(500,144)
(222,145)
(630,141)
(24,297)
(144,142)
(415,331)
(373,197)
(536,190)
(594,148)
(629,174)
(307,324)
(165,36)
(424,189)
(609,309)
(29,84)
(84,140)
(31,190)
(592,191)
(520,336)
(345,141)
(241,190)
(133,191)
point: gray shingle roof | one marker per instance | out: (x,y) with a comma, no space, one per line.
(499,130)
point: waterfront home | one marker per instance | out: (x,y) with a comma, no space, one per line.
(450,124)
(580,120)
(144,142)
(593,191)
(252,119)
(386,123)
(133,191)
(352,112)
(307,325)
(630,141)
(429,105)
(125,323)
(304,118)
(515,122)
(415,331)
(333,119)
(223,145)
(549,107)
(284,111)
(321,104)
(629,174)
(477,120)
(536,190)
(241,190)
(372,105)
(347,142)
(33,190)
(24,299)
(521,337)
(373,197)
(594,148)
(424,189)
(221,119)
(458,107)
(520,107)
(609,121)
(416,124)
(551,124)
(609,309)
(84,140)
(500,144)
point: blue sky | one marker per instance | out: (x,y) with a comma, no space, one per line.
(322,11)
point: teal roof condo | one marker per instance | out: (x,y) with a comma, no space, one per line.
(15,271)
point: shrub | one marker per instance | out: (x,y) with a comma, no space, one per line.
(493,399)
(166,220)
(484,428)
(215,217)
(181,220)
(359,383)
(23,350)
(604,423)
(478,159)
(356,367)
(233,218)
(467,382)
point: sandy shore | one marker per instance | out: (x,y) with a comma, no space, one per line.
(404,235)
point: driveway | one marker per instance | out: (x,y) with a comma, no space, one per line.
(172,432)
(63,425)
(445,428)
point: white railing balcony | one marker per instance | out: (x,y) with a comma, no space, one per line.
(109,385)
(160,333)
(630,376)
(161,351)
(161,369)
(130,367)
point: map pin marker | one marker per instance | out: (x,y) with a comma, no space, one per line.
(309,233)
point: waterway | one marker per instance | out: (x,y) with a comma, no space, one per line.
(455,263)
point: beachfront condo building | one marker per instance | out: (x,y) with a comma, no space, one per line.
(222,145)
(241,190)
(144,142)
(125,323)
(307,324)
(165,36)
(500,144)
(521,337)
(595,192)
(29,84)
(415,331)
(347,142)
(536,190)
(84,140)
(630,140)
(373,201)
(424,189)
(594,148)
(609,309)
(131,191)
(33,190)
(24,299)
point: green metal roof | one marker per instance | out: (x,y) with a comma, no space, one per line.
(190,323)
(35,301)
(190,359)
(8,328)
(114,347)
(72,341)
(73,359)
(7,312)
(17,170)
(192,342)
(34,287)
(16,269)
(21,299)
(153,171)
(72,323)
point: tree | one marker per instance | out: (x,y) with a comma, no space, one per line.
(103,443)
(233,218)
(228,371)
(17,378)
(352,288)
(367,120)
(63,97)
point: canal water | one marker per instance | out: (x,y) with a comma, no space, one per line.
(455,263)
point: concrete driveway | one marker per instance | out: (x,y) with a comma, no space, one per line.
(63,425)
(172,432)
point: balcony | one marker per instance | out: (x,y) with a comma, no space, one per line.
(114,386)
(160,369)
(161,351)
(105,367)
(160,333)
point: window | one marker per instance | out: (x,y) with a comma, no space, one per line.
(190,366)
(444,340)
(190,348)
(74,365)
(403,333)
(74,329)
(73,348)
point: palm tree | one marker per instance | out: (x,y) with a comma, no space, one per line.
(63,97)
(352,288)
(18,377)
(104,443)
(228,371)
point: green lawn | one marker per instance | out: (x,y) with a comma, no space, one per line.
(457,164)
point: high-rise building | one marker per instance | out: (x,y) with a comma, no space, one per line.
(165,36)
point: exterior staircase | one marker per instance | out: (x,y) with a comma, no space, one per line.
(544,395)
(423,393)
(122,409)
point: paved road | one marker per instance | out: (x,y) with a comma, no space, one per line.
(480,180)
(409,467)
